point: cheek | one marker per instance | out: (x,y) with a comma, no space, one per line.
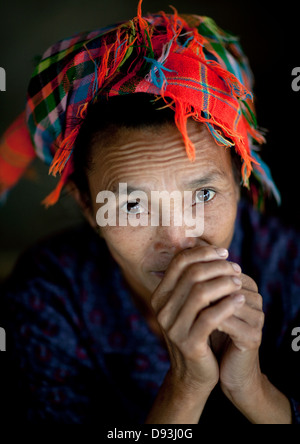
(126,244)
(219,222)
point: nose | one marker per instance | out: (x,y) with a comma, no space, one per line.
(179,231)
(172,239)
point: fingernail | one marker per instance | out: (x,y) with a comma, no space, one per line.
(237,281)
(236,267)
(222,252)
(239,299)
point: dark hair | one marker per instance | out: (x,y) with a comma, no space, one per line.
(139,110)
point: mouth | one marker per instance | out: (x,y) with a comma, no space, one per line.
(159,274)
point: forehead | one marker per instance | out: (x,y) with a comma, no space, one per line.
(156,154)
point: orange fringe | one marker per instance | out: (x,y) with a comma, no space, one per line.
(53,197)
(183,113)
(62,154)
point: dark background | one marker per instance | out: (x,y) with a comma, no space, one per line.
(269,36)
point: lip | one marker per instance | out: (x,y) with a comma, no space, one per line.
(159,274)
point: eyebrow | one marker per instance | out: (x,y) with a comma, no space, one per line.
(210,177)
(130,189)
(196,183)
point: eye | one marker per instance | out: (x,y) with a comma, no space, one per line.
(204,195)
(132,208)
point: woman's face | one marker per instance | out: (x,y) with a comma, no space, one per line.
(154,159)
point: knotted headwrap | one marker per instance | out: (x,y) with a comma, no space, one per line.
(197,68)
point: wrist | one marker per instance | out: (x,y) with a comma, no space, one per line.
(247,394)
(186,387)
(263,404)
(178,402)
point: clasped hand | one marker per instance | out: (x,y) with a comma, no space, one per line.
(203,293)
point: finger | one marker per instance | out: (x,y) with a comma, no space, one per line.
(187,257)
(242,334)
(253,300)
(210,318)
(250,315)
(200,297)
(193,274)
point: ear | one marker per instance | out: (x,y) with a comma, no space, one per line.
(86,209)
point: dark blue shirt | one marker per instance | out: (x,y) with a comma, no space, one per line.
(80,351)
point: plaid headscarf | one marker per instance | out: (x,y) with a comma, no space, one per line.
(197,68)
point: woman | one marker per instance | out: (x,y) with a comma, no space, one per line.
(122,320)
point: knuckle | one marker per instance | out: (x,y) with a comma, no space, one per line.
(207,320)
(162,317)
(259,301)
(181,258)
(182,343)
(199,295)
(191,272)
(194,272)
(194,350)
(174,337)
(206,252)
(260,319)
(186,348)
(256,339)
(158,299)
(154,301)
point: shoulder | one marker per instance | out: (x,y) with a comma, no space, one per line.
(270,249)
(67,250)
(66,265)
(58,294)
(269,237)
